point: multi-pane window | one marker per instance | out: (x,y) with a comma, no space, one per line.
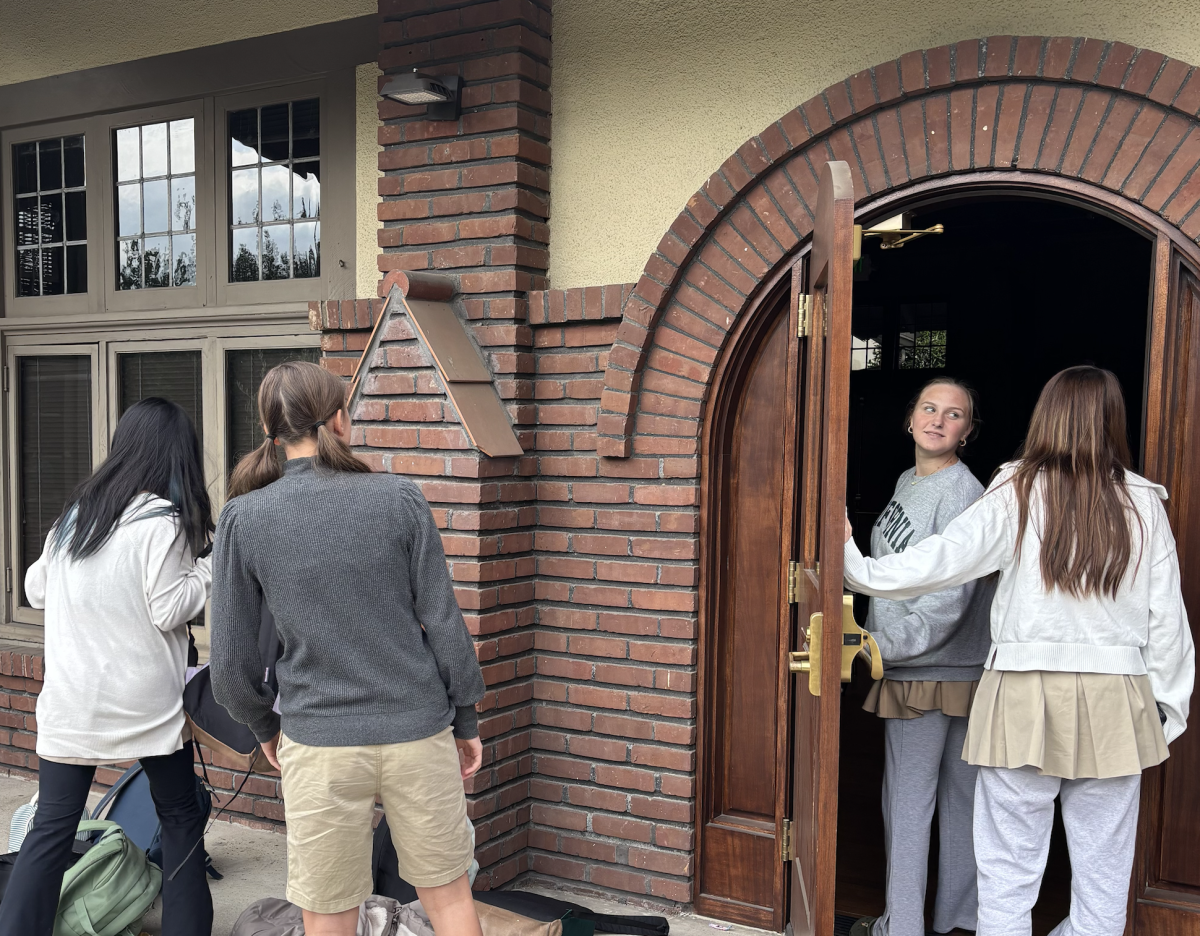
(177,376)
(275,192)
(866,353)
(923,350)
(244,371)
(51,217)
(156,205)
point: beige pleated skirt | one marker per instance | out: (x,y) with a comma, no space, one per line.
(895,698)
(1069,725)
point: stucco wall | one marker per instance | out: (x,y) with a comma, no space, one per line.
(57,36)
(650,97)
(366,178)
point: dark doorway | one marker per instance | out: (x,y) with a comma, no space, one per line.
(1016,289)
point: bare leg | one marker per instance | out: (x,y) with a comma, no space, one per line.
(451,909)
(331,924)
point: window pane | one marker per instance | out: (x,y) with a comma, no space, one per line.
(54,278)
(183,146)
(73,175)
(52,218)
(275,196)
(29,263)
(243,136)
(77,268)
(276,252)
(245,255)
(183,254)
(156,215)
(154,150)
(129,160)
(306,129)
(244,371)
(172,375)
(273,125)
(55,452)
(245,196)
(129,209)
(50,163)
(183,203)
(76,225)
(306,254)
(156,260)
(27,221)
(129,274)
(306,190)
(25,160)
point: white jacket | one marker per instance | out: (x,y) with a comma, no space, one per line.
(1144,630)
(116,644)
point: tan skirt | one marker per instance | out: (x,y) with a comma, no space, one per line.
(1069,725)
(896,698)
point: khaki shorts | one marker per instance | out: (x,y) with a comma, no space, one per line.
(329,801)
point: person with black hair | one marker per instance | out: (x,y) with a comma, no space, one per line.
(124,569)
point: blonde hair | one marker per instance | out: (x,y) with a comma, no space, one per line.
(295,402)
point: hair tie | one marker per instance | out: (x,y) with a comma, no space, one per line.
(273,438)
(318,424)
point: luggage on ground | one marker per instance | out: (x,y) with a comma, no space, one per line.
(110,888)
(22,822)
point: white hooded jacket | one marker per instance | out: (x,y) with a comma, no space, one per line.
(1143,630)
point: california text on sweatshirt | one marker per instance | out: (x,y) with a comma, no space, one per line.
(943,635)
(1144,630)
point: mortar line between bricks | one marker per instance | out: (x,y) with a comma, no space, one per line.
(779,208)
(1037,159)
(1083,100)
(1183,182)
(1113,97)
(1145,152)
(1124,136)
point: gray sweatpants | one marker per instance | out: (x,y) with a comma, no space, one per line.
(1014,814)
(924,767)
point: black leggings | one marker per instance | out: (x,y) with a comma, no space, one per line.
(31,901)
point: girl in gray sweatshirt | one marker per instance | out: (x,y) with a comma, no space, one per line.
(933,650)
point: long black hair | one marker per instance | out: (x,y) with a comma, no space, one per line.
(156,450)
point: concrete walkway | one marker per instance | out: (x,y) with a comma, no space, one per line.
(255,865)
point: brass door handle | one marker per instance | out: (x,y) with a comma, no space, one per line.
(798,661)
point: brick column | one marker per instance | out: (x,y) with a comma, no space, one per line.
(469,198)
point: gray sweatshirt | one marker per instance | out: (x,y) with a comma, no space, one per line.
(943,636)
(375,650)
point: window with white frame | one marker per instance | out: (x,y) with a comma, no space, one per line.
(275,192)
(50,208)
(156,204)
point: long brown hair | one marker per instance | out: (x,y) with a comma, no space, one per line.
(1078,449)
(295,401)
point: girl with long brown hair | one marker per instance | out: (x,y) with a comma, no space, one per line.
(1091,667)
(378,678)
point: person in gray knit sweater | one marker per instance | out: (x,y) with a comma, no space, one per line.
(378,678)
(933,650)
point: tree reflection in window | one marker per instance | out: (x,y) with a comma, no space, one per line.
(923,350)
(275,192)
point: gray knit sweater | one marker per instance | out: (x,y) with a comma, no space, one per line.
(375,650)
(943,636)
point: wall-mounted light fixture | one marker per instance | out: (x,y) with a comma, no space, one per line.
(439,93)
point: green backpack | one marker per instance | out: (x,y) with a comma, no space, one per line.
(109,889)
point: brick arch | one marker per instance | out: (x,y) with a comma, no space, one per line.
(1104,113)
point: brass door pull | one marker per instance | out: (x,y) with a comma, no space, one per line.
(798,661)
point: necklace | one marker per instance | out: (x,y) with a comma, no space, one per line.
(952,460)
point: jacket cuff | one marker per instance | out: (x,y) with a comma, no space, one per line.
(466,722)
(1172,729)
(853,566)
(266,728)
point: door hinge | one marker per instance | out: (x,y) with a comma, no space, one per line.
(805,315)
(8,579)
(793,581)
(6,378)
(786,845)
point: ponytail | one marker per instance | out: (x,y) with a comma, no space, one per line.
(295,401)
